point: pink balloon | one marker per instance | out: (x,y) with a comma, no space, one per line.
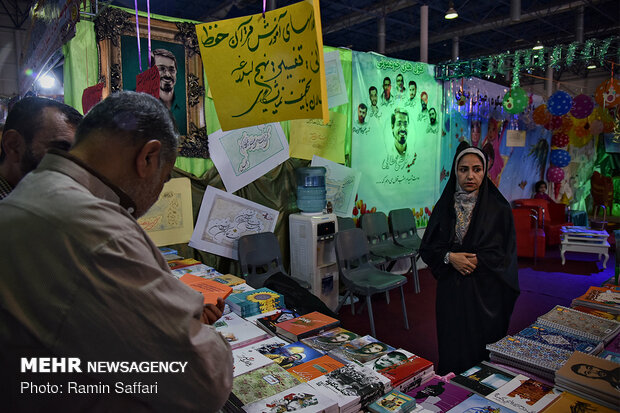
(555,174)
(582,106)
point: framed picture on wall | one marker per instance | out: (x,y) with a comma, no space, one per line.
(175,52)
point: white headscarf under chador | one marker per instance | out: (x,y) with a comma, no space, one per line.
(464,202)
(475,151)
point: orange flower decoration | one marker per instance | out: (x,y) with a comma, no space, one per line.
(608,93)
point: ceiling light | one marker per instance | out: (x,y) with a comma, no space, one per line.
(47,81)
(451,13)
(538,45)
(592,66)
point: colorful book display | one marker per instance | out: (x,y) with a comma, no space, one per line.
(478,404)
(228,279)
(200,270)
(561,339)
(268,323)
(246,359)
(330,339)
(568,403)
(576,322)
(483,378)
(312,369)
(404,373)
(239,332)
(306,326)
(301,398)
(393,402)
(601,298)
(255,302)
(523,394)
(591,377)
(263,382)
(293,354)
(209,289)
(438,396)
(362,350)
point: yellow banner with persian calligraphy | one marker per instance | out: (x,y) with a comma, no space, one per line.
(266,69)
(314,137)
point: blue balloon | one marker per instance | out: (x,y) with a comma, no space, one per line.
(559,157)
(560,103)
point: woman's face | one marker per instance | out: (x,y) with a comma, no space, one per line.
(470,172)
(372,348)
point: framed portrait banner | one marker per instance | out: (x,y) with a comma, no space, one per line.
(175,52)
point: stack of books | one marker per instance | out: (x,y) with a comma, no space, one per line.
(361,350)
(393,402)
(404,369)
(292,355)
(579,323)
(483,378)
(263,382)
(591,377)
(312,369)
(254,302)
(600,298)
(568,403)
(539,359)
(301,398)
(306,325)
(239,332)
(523,394)
(437,395)
(330,339)
(479,404)
(561,339)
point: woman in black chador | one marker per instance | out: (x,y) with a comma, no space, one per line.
(470,247)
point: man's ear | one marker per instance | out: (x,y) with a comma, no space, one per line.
(13,145)
(147,160)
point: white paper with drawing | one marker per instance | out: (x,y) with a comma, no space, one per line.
(336,88)
(244,155)
(170,220)
(224,218)
(341,185)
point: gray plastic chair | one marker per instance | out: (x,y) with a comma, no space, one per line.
(403,229)
(360,276)
(375,226)
(345,223)
(259,257)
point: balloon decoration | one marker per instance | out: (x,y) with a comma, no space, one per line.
(559,140)
(554,123)
(582,106)
(541,115)
(596,127)
(515,100)
(559,157)
(567,123)
(603,115)
(555,174)
(608,93)
(559,103)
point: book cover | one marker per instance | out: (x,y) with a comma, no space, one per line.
(349,385)
(478,404)
(523,394)
(257,301)
(200,270)
(242,288)
(597,312)
(209,289)
(483,378)
(561,339)
(246,359)
(301,398)
(330,339)
(414,381)
(439,396)
(306,325)
(605,298)
(393,402)
(238,332)
(268,323)
(523,353)
(228,279)
(389,359)
(263,382)
(580,323)
(569,403)
(361,350)
(593,375)
(167,250)
(414,365)
(293,354)
(610,355)
(185,262)
(315,368)
(268,344)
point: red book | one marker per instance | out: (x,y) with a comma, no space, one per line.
(306,326)
(210,290)
(399,372)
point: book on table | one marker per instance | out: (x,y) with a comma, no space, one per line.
(404,369)
(228,279)
(184,262)
(330,339)
(601,298)
(483,378)
(246,359)
(478,404)
(254,302)
(569,403)
(315,368)
(301,398)
(361,350)
(306,325)
(209,289)
(200,270)
(268,322)
(437,395)
(239,332)
(596,312)
(262,382)
(561,339)
(523,394)
(577,322)
(293,354)
(592,377)
(393,402)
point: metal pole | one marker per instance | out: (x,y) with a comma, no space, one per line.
(271,5)
(549,81)
(515,10)
(424,33)
(455,48)
(579,25)
(381,34)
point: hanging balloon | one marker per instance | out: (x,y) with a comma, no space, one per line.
(596,127)
(559,140)
(555,174)
(567,123)
(580,134)
(554,123)
(604,116)
(608,93)
(559,103)
(582,106)
(541,115)
(515,100)
(559,157)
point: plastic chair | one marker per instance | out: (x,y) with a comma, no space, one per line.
(260,258)
(530,234)
(552,218)
(403,229)
(375,226)
(360,276)
(345,223)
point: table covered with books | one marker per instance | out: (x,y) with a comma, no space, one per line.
(284,361)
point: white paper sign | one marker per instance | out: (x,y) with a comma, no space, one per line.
(224,218)
(336,88)
(341,185)
(243,155)
(515,138)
